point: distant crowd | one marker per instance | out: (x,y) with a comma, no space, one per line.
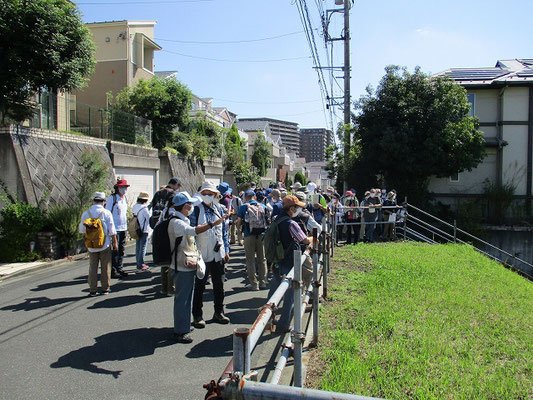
(192,238)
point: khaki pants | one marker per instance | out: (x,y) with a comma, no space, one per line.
(235,229)
(253,245)
(104,258)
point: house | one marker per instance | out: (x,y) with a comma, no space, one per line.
(124,55)
(502,99)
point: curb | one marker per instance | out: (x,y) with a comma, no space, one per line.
(50,264)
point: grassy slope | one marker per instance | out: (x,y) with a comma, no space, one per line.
(413,321)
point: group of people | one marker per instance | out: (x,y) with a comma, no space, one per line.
(199,230)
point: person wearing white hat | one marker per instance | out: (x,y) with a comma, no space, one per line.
(141,211)
(102,253)
(214,245)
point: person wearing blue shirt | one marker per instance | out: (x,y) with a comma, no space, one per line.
(277,204)
(253,243)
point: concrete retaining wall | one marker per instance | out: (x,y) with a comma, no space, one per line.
(190,172)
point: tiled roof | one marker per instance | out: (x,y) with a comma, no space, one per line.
(251,125)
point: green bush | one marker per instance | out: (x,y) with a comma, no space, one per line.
(20,223)
(65,220)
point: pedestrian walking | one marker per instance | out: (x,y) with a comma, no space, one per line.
(351,216)
(118,206)
(100,237)
(236,227)
(214,246)
(186,261)
(252,215)
(141,211)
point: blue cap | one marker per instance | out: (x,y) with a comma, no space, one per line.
(182,198)
(268,191)
(249,193)
(224,188)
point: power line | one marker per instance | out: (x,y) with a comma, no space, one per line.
(276,102)
(234,61)
(232,41)
(142,2)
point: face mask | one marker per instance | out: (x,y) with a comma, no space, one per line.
(186,211)
(297,212)
(208,199)
(383,191)
(122,191)
(373,195)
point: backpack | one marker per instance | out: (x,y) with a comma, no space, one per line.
(158,207)
(274,250)
(161,253)
(351,214)
(256,219)
(134,227)
(94,232)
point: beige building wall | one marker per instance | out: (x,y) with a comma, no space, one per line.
(110,41)
(110,76)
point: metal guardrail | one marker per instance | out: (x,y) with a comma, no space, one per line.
(238,380)
(504,257)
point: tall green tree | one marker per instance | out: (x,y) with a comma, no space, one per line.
(166,102)
(45,45)
(262,155)
(413,127)
(234,149)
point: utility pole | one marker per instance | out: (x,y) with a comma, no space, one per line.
(347,113)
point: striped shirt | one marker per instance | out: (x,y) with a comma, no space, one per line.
(296,232)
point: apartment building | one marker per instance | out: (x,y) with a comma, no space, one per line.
(124,54)
(314,142)
(288,131)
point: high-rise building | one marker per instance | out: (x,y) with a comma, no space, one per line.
(313,143)
(288,131)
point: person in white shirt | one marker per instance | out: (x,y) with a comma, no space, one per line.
(184,273)
(140,209)
(100,255)
(118,206)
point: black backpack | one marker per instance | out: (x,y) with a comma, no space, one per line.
(161,253)
(164,197)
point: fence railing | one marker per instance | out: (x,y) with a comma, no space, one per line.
(65,113)
(238,381)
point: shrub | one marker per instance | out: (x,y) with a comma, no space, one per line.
(64,220)
(20,223)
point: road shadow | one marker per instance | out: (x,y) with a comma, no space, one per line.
(209,348)
(242,317)
(116,346)
(123,301)
(36,303)
(252,303)
(53,285)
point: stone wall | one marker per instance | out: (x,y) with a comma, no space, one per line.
(174,165)
(45,163)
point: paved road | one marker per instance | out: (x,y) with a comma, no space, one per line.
(57,343)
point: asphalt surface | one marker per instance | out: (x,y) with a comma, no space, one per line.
(57,343)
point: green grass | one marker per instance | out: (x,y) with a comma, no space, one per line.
(414,321)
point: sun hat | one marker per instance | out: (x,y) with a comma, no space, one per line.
(143,196)
(348,193)
(276,192)
(224,188)
(99,196)
(209,186)
(122,182)
(297,185)
(249,193)
(290,200)
(182,198)
(301,196)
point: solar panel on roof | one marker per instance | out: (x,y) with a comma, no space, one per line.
(476,74)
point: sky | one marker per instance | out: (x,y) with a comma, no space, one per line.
(275,77)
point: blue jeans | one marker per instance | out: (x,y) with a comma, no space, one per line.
(369,233)
(184,282)
(288,298)
(140,249)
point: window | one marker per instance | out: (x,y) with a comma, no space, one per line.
(472,100)
(454,177)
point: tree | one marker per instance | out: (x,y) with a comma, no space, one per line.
(45,45)
(299,177)
(414,127)
(234,149)
(244,174)
(261,156)
(164,101)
